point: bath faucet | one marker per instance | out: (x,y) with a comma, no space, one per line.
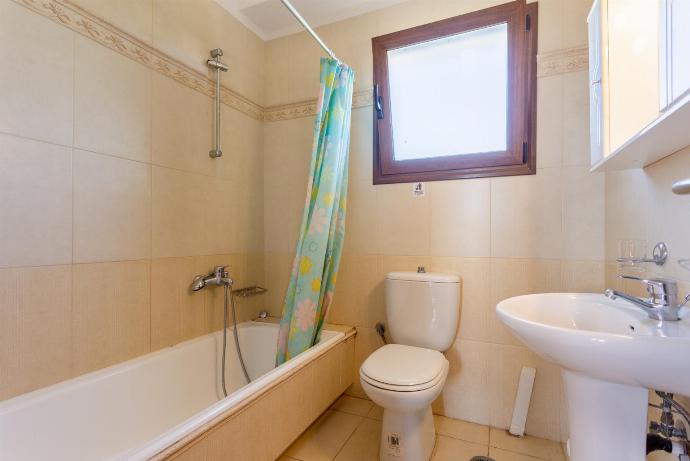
(219,276)
(663,302)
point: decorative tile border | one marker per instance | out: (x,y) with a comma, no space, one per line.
(362,98)
(71,16)
(562,61)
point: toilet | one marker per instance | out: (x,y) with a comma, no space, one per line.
(422,314)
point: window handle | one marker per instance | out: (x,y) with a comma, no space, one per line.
(378,103)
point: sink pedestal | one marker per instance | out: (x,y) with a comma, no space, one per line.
(608,422)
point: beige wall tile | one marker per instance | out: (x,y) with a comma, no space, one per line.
(177,313)
(465,394)
(515,277)
(526,215)
(111,313)
(583,214)
(180,206)
(627,192)
(550,36)
(362,145)
(358,299)
(36,76)
(112,112)
(35,203)
(360,238)
(458,429)
(476,308)
(576,148)
(112,208)
(277,60)
(403,226)
(182,127)
(132,16)
(583,277)
(505,364)
(549,119)
(35,328)
(461,218)
(531,446)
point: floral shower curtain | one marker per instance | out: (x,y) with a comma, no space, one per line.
(320,242)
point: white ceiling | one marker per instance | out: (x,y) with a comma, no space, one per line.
(269,19)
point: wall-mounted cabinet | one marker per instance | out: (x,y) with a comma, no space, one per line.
(639,76)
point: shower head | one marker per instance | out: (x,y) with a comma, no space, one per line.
(198,283)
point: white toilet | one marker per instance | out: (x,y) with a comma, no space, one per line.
(422,312)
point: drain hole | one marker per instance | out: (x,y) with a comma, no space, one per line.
(481,458)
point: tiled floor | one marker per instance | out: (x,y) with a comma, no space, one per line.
(351,429)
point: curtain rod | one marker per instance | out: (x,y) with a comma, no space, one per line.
(304,23)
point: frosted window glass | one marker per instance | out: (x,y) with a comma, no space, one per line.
(449,96)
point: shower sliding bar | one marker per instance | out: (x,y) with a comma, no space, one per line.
(214,63)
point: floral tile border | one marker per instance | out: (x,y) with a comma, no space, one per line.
(362,98)
(71,16)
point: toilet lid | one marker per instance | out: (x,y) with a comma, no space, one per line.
(401,365)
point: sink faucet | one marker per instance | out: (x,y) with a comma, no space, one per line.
(663,298)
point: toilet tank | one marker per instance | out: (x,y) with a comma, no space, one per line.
(423,309)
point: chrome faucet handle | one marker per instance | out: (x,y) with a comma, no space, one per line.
(220,271)
(661,291)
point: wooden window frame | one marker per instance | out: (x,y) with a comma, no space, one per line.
(520,156)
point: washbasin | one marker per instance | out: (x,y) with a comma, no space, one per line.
(611,354)
(603,338)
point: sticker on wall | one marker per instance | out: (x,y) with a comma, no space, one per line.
(394,445)
(418,189)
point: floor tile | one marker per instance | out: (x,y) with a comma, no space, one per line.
(503,455)
(324,439)
(353,405)
(531,446)
(376,412)
(450,449)
(364,443)
(462,430)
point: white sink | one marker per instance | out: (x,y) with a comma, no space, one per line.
(611,354)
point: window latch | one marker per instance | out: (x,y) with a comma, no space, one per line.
(378,103)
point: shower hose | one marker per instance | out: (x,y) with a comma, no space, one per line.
(226,288)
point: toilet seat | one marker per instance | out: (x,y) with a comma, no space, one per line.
(401,368)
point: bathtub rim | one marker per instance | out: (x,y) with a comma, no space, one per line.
(193,428)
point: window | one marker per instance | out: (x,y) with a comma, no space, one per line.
(456,98)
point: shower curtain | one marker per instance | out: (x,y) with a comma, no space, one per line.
(320,243)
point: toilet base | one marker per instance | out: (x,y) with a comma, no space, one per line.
(407,436)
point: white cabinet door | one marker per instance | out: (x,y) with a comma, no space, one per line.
(596,106)
(675,50)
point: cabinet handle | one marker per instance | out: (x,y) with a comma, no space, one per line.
(596,82)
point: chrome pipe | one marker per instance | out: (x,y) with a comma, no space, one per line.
(214,63)
(308,28)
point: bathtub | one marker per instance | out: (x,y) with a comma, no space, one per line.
(138,409)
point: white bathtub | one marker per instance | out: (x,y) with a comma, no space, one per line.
(135,409)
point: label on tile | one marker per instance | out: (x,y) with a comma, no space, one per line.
(418,189)
(394,445)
